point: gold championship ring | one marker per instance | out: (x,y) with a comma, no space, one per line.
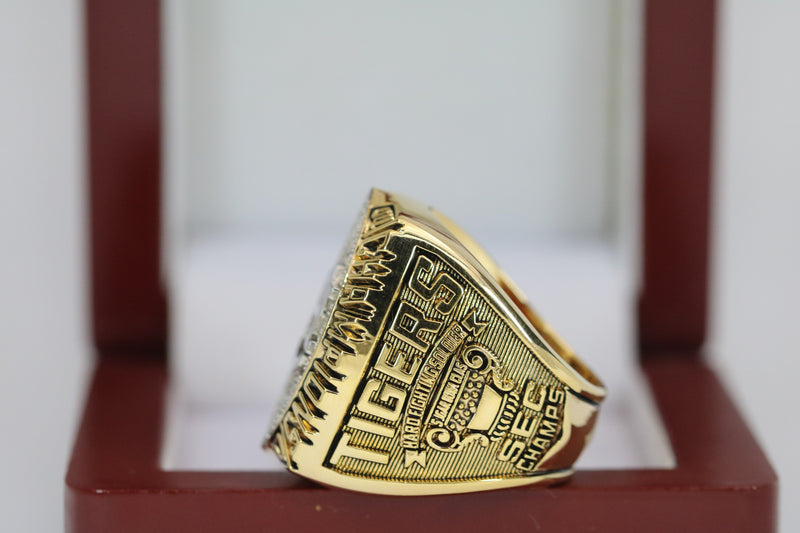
(425,371)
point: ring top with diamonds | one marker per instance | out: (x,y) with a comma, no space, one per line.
(425,371)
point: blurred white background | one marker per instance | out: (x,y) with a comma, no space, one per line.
(44,348)
(425,97)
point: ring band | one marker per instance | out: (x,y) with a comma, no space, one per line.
(425,371)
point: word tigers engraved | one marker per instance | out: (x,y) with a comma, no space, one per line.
(451,392)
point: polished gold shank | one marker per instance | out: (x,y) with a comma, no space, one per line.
(430,372)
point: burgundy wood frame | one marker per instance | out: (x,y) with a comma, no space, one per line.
(722,481)
(124,103)
(678,81)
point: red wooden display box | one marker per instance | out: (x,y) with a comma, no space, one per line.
(722,480)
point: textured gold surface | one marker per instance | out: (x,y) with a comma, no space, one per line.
(425,371)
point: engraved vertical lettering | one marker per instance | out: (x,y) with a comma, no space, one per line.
(447,298)
(409,322)
(344,449)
